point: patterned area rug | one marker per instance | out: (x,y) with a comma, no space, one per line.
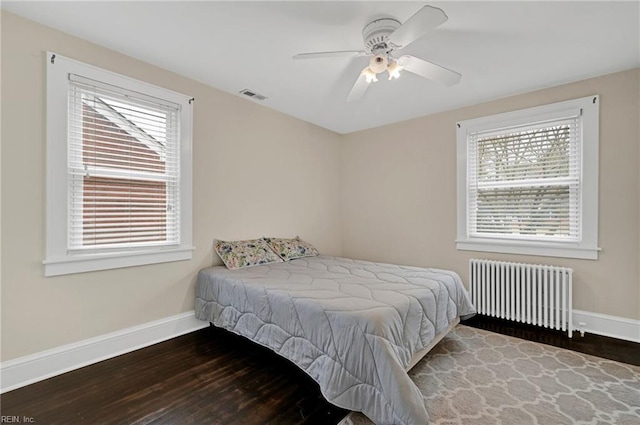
(478,377)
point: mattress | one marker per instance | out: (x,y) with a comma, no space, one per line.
(353,326)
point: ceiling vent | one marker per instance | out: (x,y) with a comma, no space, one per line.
(252,94)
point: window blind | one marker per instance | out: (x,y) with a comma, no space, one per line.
(523,182)
(123,168)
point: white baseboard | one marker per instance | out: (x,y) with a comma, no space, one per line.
(29,369)
(46,364)
(605,325)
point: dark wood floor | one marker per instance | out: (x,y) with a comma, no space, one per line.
(601,346)
(215,377)
(208,377)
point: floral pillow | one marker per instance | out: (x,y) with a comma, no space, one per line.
(239,254)
(289,249)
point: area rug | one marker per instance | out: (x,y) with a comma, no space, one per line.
(479,377)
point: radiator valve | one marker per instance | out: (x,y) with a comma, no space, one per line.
(581,328)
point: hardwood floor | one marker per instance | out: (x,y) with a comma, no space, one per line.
(214,377)
(208,377)
(601,346)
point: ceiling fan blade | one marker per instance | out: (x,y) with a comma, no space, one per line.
(429,70)
(343,53)
(418,25)
(359,88)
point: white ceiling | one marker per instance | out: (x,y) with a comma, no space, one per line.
(500,48)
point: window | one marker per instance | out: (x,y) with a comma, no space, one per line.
(118,170)
(528,181)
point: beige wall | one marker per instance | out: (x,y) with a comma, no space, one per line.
(399,193)
(256,172)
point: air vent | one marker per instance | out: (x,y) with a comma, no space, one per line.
(252,94)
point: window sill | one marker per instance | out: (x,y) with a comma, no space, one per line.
(529,248)
(93,262)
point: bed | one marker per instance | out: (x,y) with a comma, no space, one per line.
(355,327)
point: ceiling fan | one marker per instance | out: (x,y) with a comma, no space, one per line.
(382,39)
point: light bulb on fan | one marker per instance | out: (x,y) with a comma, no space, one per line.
(394,70)
(378,63)
(369,75)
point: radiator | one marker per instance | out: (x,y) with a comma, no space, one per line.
(528,293)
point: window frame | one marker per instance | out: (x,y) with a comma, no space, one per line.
(587,246)
(58,259)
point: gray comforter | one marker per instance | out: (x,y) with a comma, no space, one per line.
(353,326)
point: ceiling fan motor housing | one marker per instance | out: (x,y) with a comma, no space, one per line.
(376,33)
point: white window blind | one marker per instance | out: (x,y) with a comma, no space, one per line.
(123,168)
(524,181)
(527,181)
(119,170)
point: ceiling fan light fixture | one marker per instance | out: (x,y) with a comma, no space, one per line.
(378,63)
(383,38)
(369,75)
(394,70)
